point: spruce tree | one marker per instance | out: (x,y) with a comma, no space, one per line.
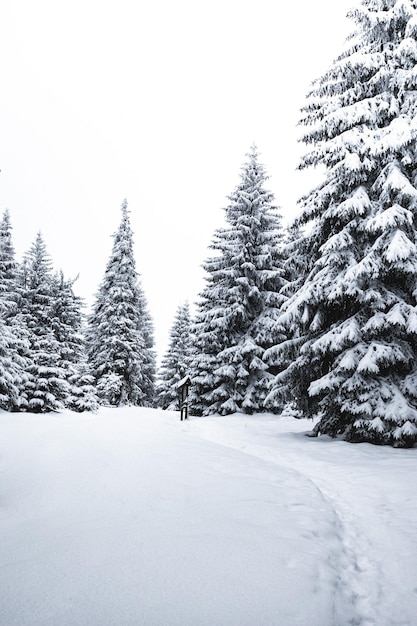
(120,335)
(176,362)
(353,322)
(297,259)
(12,342)
(297,262)
(8,264)
(67,320)
(235,322)
(83,395)
(46,387)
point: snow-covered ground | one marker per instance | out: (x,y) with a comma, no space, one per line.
(131,517)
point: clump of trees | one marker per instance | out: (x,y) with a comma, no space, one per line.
(42,345)
(53,356)
(351,323)
(319,319)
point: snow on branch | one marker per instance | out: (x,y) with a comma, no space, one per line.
(393,217)
(399,248)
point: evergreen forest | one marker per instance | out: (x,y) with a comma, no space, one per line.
(317,318)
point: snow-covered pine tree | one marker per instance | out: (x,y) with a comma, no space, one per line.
(11,342)
(119,334)
(67,324)
(83,395)
(354,320)
(46,388)
(8,264)
(235,321)
(148,358)
(297,259)
(176,363)
(297,263)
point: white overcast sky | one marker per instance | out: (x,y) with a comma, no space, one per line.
(156,102)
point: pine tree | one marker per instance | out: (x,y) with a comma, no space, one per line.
(235,322)
(67,325)
(11,341)
(176,363)
(297,259)
(354,320)
(83,392)
(120,335)
(8,264)
(296,263)
(46,387)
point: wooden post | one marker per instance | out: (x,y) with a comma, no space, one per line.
(183,387)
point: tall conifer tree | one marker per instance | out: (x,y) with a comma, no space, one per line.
(12,343)
(176,363)
(120,334)
(46,388)
(354,320)
(235,322)
(67,323)
(8,264)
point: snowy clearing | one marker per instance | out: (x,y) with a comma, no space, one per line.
(131,517)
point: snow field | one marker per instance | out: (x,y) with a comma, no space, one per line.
(132,517)
(373,497)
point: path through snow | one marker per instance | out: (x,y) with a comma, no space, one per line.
(373,494)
